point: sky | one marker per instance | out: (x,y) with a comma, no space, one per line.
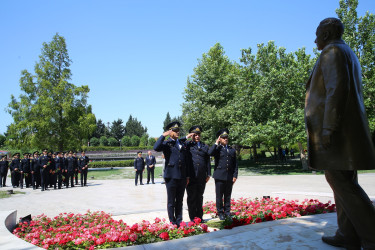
(136,55)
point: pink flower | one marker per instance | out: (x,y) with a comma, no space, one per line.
(133,237)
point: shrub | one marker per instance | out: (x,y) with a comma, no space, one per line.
(125,141)
(151,141)
(111,164)
(103,141)
(143,140)
(134,141)
(94,141)
(112,142)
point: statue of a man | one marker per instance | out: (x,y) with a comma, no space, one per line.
(339,139)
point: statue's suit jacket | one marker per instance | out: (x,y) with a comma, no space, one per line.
(334,105)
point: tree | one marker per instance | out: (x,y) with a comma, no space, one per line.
(134,141)
(2,140)
(167,120)
(94,142)
(359,34)
(151,141)
(103,141)
(51,112)
(134,127)
(208,92)
(113,142)
(101,129)
(143,140)
(117,129)
(125,141)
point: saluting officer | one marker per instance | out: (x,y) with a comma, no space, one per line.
(83,166)
(139,167)
(15,170)
(225,172)
(44,163)
(4,165)
(176,174)
(200,172)
(35,170)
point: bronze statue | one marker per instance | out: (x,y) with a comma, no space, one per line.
(339,139)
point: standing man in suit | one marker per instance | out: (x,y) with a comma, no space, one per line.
(83,167)
(59,162)
(25,170)
(15,170)
(176,174)
(225,172)
(139,168)
(200,172)
(76,170)
(70,168)
(35,170)
(44,163)
(4,165)
(150,162)
(339,139)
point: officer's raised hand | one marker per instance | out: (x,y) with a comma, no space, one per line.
(166,133)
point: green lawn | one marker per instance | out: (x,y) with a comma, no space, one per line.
(127,173)
(4,194)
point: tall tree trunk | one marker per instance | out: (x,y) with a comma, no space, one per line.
(255,151)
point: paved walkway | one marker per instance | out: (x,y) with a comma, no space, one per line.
(135,203)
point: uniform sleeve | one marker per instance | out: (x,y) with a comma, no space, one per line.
(235,173)
(135,163)
(159,144)
(213,150)
(336,81)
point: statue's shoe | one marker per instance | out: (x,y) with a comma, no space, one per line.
(339,242)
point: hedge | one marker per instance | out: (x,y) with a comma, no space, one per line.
(111,164)
(107,148)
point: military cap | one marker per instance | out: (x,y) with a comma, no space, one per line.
(25,154)
(222,133)
(45,150)
(70,152)
(36,152)
(3,156)
(195,129)
(173,126)
(139,152)
(18,154)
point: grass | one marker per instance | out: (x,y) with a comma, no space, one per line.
(4,194)
(127,173)
(214,223)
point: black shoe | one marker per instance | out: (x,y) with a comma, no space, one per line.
(339,242)
(163,182)
(153,183)
(142,184)
(221,217)
(34,188)
(148,183)
(42,189)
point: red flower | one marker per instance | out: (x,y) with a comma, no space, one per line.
(197,220)
(258,220)
(164,236)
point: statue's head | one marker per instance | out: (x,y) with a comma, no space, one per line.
(328,30)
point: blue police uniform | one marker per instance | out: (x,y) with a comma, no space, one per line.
(35,168)
(70,166)
(225,170)
(25,168)
(175,174)
(139,165)
(44,160)
(4,165)
(83,162)
(200,169)
(15,171)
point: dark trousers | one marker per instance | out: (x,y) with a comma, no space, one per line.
(355,212)
(44,178)
(140,174)
(69,176)
(3,178)
(175,196)
(195,190)
(76,176)
(15,178)
(27,178)
(84,177)
(223,189)
(35,179)
(150,172)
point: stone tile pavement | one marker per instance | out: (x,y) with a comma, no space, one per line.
(133,203)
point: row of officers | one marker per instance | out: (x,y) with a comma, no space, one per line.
(49,169)
(188,166)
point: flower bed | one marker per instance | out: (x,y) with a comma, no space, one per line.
(247,211)
(95,230)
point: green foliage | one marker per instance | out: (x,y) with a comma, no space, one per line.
(151,141)
(117,129)
(108,148)
(111,164)
(103,141)
(143,140)
(134,141)
(125,141)
(134,127)
(360,36)
(51,112)
(2,140)
(101,129)
(113,142)
(94,141)
(167,121)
